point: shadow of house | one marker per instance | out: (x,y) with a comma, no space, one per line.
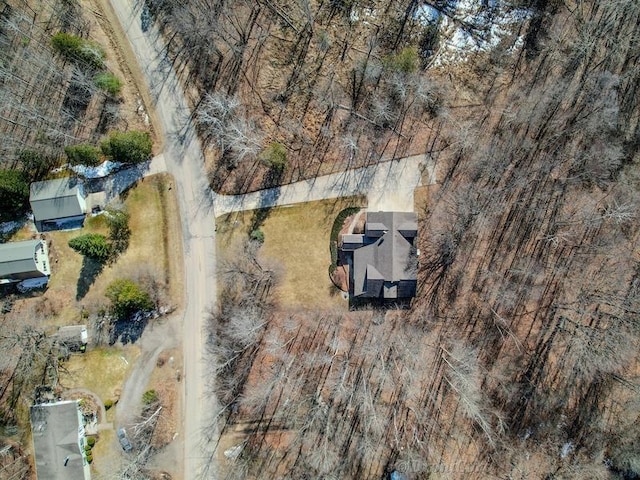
(58,204)
(383,260)
(24,261)
(58,441)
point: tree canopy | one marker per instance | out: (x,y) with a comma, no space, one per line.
(128,147)
(83,154)
(78,49)
(92,245)
(109,83)
(127,298)
(14,194)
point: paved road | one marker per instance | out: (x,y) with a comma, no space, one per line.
(387,186)
(182,157)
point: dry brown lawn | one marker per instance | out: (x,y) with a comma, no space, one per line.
(164,380)
(101,370)
(154,250)
(297,245)
(107,457)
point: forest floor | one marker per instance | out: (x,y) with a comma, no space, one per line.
(137,107)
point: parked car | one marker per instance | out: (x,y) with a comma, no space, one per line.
(124,441)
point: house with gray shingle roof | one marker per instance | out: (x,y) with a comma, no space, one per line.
(384,261)
(24,260)
(58,441)
(58,204)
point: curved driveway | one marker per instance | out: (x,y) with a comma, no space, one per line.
(388,186)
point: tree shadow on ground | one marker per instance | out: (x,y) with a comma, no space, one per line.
(127,331)
(90,270)
(268,196)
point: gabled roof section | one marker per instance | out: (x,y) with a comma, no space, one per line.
(58,432)
(386,263)
(18,259)
(52,199)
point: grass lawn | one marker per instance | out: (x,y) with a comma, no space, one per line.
(106,455)
(154,249)
(101,370)
(297,240)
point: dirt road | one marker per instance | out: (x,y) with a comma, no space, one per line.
(183,159)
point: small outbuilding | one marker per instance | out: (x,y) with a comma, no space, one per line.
(58,204)
(73,337)
(25,260)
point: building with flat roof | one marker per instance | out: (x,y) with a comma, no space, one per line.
(58,441)
(73,337)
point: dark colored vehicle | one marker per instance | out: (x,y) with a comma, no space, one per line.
(124,441)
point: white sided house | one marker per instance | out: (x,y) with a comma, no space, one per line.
(58,204)
(23,261)
(58,441)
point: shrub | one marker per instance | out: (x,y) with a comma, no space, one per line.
(109,83)
(257,235)
(14,195)
(108,404)
(406,61)
(150,397)
(275,156)
(87,448)
(83,154)
(89,458)
(119,232)
(91,441)
(92,245)
(128,147)
(127,298)
(77,49)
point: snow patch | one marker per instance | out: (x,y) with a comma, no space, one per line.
(567,448)
(427,15)
(470,26)
(103,170)
(32,284)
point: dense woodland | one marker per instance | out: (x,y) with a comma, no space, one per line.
(49,100)
(519,357)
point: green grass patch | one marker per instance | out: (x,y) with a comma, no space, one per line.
(295,241)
